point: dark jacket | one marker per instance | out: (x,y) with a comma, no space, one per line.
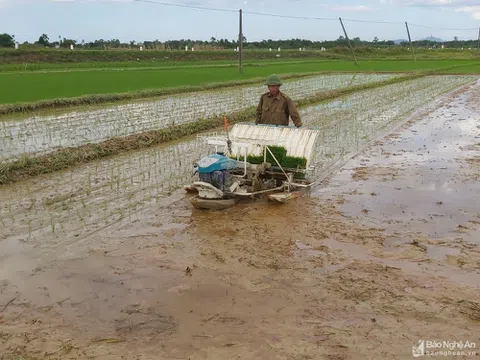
(277,110)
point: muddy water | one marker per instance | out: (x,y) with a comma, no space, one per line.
(441,144)
(348,124)
(315,278)
(41,134)
(82,201)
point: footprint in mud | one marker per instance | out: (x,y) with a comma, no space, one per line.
(144,324)
(384,173)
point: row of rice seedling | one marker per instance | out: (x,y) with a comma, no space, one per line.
(32,165)
(351,122)
(44,134)
(84,199)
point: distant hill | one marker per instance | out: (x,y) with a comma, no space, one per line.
(399,41)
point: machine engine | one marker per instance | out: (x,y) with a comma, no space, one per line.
(215,169)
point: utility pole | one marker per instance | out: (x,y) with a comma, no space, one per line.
(240,45)
(348,40)
(478,45)
(410,41)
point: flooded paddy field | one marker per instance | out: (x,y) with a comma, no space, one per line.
(97,194)
(46,133)
(109,260)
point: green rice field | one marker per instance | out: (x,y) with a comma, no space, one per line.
(28,86)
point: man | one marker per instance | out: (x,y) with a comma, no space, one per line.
(275,107)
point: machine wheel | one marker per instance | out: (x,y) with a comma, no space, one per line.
(284,197)
(212,204)
(191,189)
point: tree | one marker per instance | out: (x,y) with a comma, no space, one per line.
(7,40)
(375,39)
(67,42)
(44,40)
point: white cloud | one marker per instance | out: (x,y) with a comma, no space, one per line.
(5,3)
(474,11)
(439,3)
(90,1)
(351,8)
(471,7)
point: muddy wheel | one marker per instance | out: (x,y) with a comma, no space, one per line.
(283,198)
(209,204)
(190,189)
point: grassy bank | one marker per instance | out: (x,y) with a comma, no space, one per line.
(30,166)
(59,56)
(54,88)
(66,56)
(138,65)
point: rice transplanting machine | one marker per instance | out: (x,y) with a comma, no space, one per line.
(254,161)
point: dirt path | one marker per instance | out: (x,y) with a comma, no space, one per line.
(383,254)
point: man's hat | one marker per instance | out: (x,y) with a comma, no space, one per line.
(273,80)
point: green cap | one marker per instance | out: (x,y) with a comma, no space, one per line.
(273,80)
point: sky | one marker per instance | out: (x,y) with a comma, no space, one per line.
(141,20)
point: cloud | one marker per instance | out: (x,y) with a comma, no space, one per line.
(436,3)
(351,8)
(5,3)
(471,7)
(90,1)
(474,11)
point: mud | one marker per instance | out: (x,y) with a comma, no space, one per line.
(381,254)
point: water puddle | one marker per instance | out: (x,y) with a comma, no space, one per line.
(356,252)
(411,181)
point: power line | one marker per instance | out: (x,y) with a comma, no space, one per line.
(401,23)
(295,17)
(437,28)
(289,16)
(186,6)
(374,22)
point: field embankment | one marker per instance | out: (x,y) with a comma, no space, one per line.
(66,56)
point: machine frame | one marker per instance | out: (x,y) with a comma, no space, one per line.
(286,186)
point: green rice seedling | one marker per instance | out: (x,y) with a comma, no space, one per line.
(97,125)
(52,223)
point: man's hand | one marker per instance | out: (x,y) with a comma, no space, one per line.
(258,112)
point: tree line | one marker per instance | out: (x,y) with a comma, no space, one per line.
(8,41)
